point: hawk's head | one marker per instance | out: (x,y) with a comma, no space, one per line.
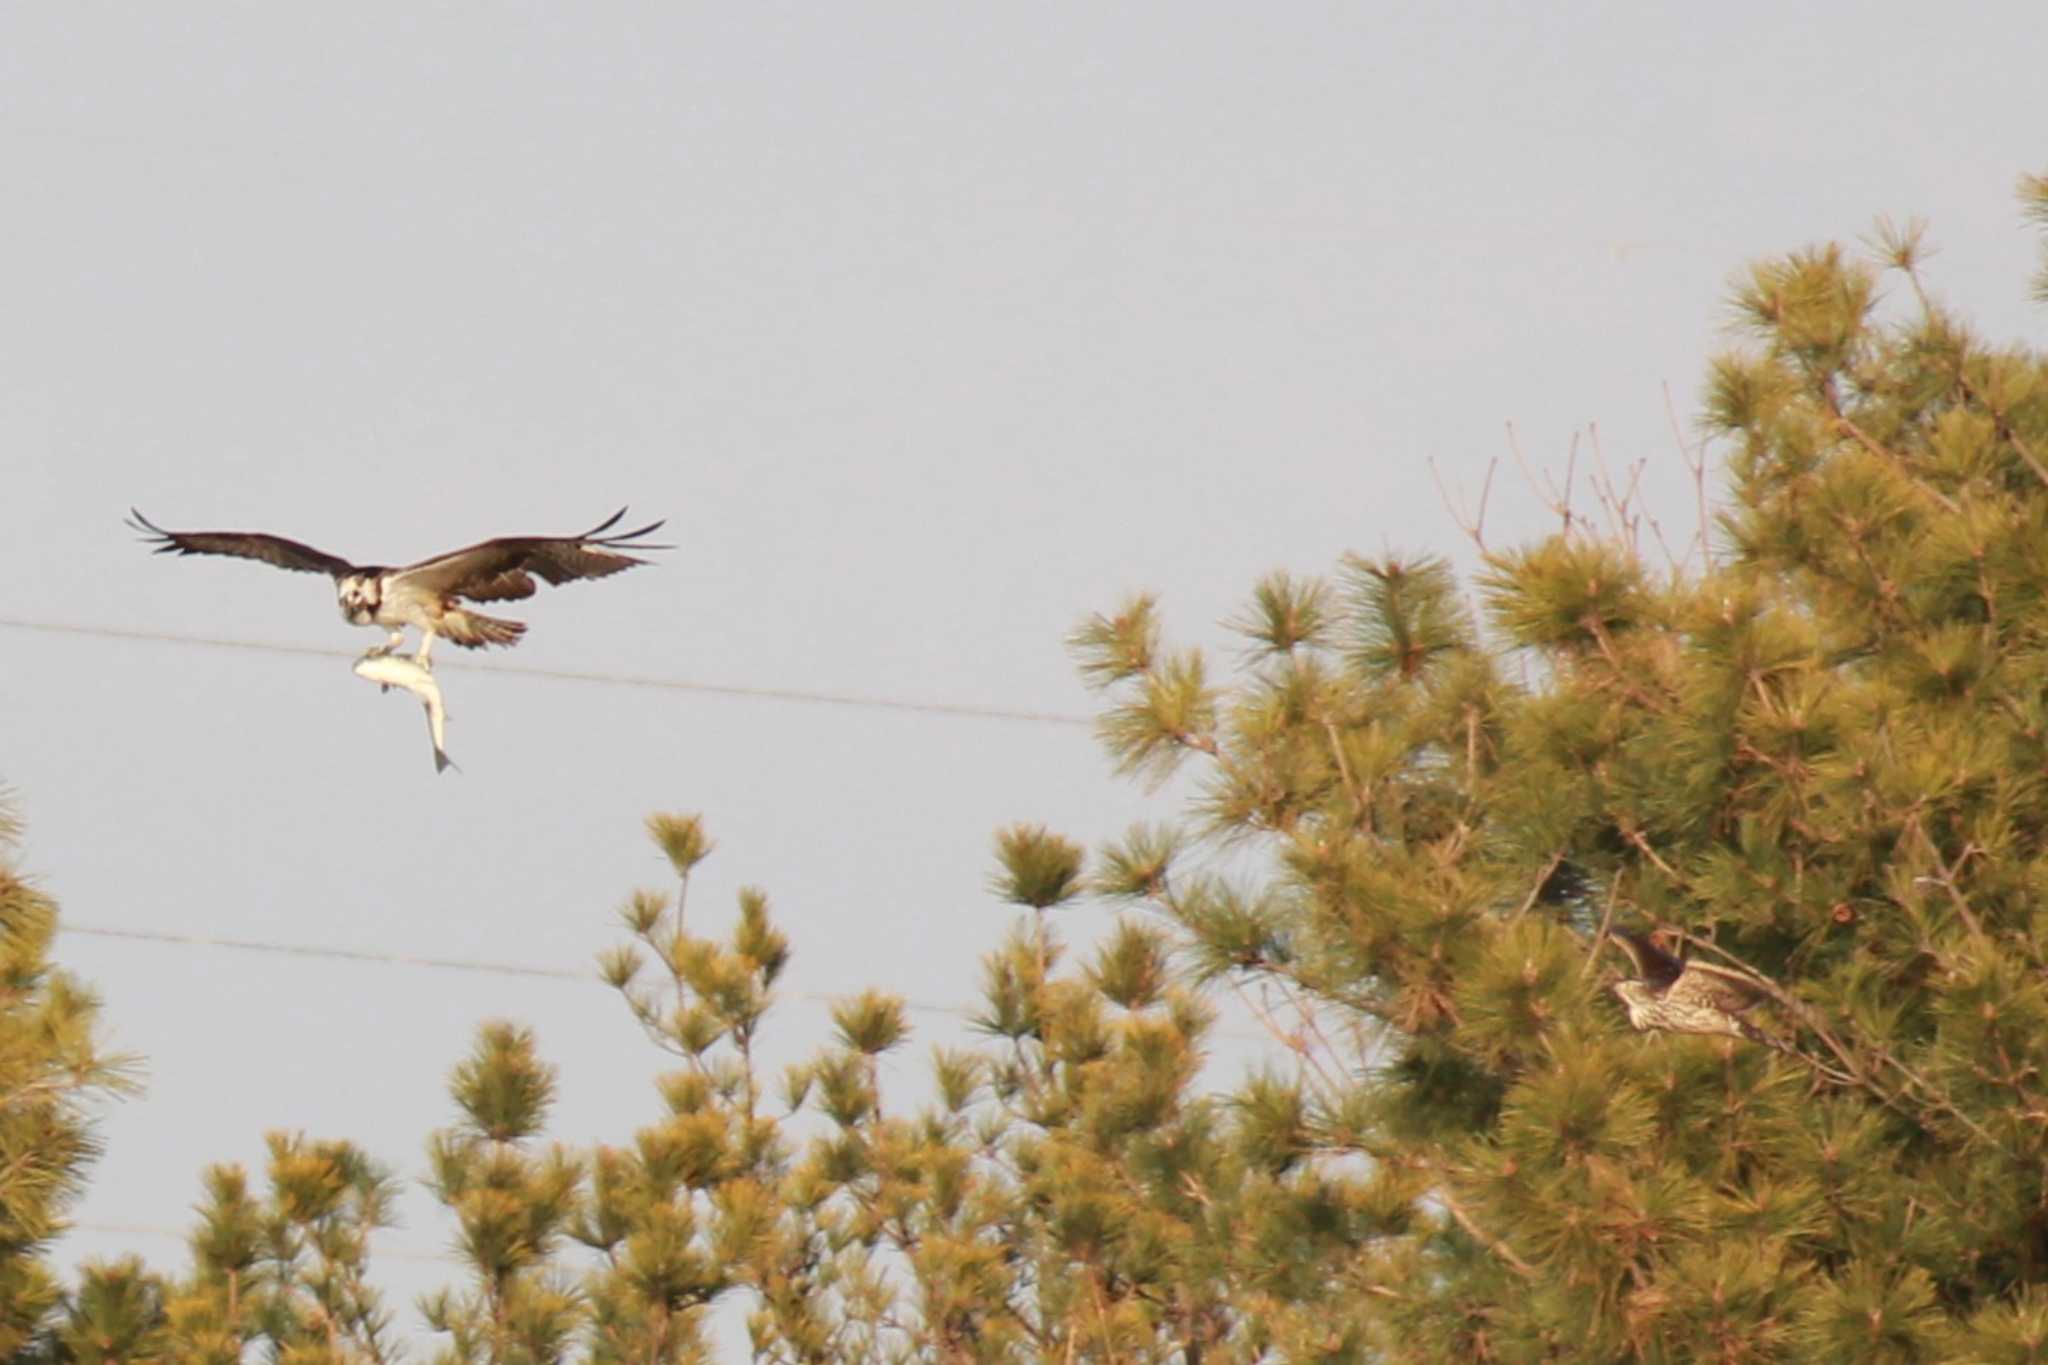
(1642,1006)
(360,596)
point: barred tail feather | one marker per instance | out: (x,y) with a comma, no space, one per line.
(474,630)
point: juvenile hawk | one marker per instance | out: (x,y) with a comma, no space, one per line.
(1677,995)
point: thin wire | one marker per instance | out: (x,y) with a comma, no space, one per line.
(339,954)
(786,694)
(185,1235)
(255,945)
(559,675)
(458,964)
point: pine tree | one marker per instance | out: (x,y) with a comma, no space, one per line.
(1064,1194)
(513,1206)
(286,1270)
(1812,762)
(1787,785)
(52,1071)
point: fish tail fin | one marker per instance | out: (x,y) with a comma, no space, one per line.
(474,630)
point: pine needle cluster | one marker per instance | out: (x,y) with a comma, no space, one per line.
(1815,763)
(53,1070)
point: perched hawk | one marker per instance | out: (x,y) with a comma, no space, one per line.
(429,594)
(1681,996)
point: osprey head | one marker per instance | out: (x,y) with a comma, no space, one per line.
(360,595)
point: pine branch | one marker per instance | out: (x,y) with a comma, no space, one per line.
(2002,422)
(1542,880)
(1896,460)
(1858,1076)
(1947,879)
(1635,836)
(1558,502)
(1478,1234)
(1698,467)
(1363,820)
(1474,526)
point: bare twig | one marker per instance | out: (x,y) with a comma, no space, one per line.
(1475,526)
(2019,444)
(2004,427)
(1618,501)
(1936,1098)
(1471,748)
(1291,1039)
(1309,1025)
(1598,631)
(1657,529)
(1542,880)
(1546,488)
(1860,1077)
(1606,922)
(1698,466)
(1363,822)
(1898,461)
(1635,836)
(1481,1236)
(1947,879)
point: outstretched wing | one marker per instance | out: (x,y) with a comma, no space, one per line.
(503,570)
(257,545)
(1657,968)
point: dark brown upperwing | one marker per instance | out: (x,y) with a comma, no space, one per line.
(503,570)
(257,545)
(1657,968)
(509,586)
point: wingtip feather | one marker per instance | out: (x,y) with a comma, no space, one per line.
(631,538)
(605,525)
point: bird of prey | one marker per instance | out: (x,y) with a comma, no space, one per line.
(1677,995)
(430,594)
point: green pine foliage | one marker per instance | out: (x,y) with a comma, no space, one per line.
(53,1072)
(1816,760)
(1815,757)
(284,1272)
(2034,199)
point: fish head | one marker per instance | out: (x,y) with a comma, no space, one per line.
(359,595)
(395,670)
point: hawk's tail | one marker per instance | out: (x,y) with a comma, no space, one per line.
(474,630)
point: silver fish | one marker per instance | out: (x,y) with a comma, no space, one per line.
(396,670)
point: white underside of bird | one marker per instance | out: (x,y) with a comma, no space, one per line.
(392,604)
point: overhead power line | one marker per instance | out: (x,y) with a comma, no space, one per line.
(185,1235)
(459,964)
(965,711)
(454,964)
(253,945)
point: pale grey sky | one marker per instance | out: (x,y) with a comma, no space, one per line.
(930,328)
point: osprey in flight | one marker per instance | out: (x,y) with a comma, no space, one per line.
(429,594)
(1682,996)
